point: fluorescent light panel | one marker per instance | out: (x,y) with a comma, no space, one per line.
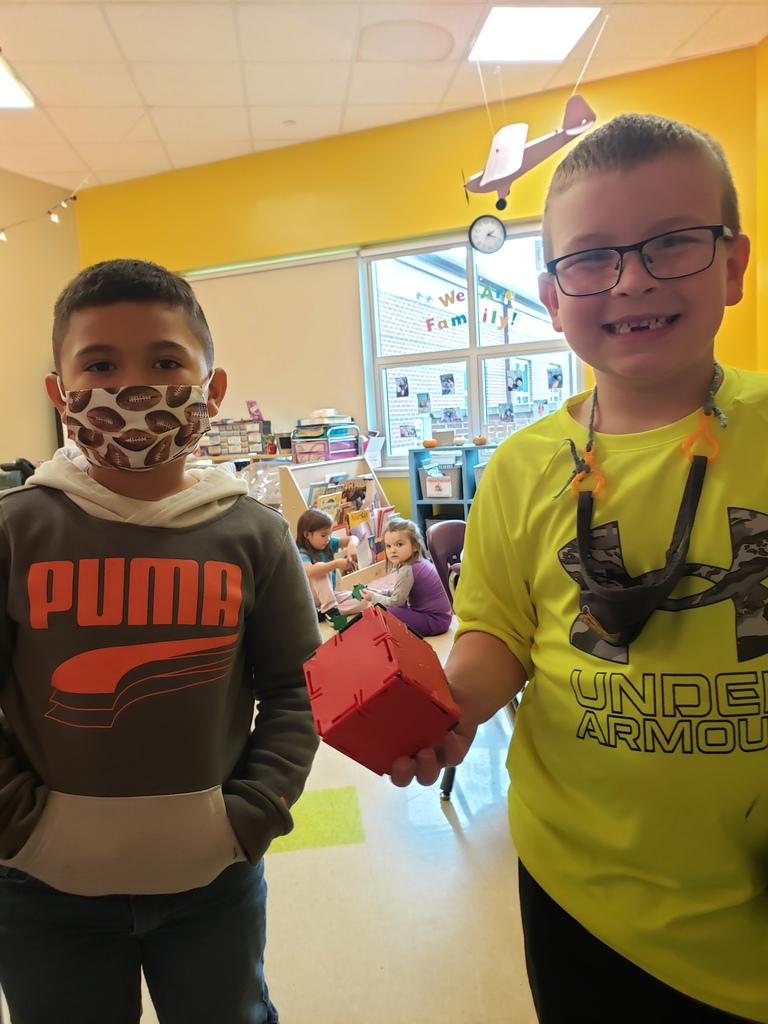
(531,33)
(12,93)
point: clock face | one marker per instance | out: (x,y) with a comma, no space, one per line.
(487,234)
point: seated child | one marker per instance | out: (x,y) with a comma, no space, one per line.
(417,598)
(319,552)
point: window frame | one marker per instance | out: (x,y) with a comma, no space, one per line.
(473,355)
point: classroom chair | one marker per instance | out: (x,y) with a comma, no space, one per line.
(445,542)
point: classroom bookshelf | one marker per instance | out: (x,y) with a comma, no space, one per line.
(466,471)
(294,485)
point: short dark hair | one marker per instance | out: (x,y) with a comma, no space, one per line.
(629,140)
(111,281)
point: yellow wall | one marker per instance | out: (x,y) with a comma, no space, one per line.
(35,263)
(760,233)
(404,181)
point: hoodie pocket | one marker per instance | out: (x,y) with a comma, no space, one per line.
(94,846)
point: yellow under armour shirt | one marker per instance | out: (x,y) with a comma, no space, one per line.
(639,774)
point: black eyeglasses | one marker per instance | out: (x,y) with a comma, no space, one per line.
(672,254)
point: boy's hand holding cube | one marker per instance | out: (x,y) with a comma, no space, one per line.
(378,692)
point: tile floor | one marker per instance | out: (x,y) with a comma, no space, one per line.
(417,924)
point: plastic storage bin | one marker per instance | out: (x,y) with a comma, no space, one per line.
(450,489)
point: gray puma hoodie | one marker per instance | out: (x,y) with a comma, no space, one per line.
(136,639)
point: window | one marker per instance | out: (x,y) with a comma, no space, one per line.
(461,339)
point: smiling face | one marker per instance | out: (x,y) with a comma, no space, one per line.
(399,547)
(644,331)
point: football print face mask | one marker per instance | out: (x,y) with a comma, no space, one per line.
(138,427)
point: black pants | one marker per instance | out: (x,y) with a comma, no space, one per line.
(576,979)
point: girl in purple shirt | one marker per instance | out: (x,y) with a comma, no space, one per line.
(417,597)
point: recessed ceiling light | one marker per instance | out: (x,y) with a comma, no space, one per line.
(12,92)
(531,33)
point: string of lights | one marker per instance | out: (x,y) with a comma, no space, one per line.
(50,213)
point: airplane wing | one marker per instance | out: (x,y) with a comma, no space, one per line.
(506,153)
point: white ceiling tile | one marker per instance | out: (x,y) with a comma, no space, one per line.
(58,157)
(194,84)
(65,181)
(201,124)
(732,26)
(650,30)
(28,126)
(473,83)
(399,83)
(122,174)
(289,84)
(87,84)
(280,32)
(190,154)
(261,145)
(567,73)
(69,31)
(104,124)
(147,157)
(461,20)
(215,78)
(174,32)
(357,118)
(309,122)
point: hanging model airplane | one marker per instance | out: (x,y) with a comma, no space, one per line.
(511,156)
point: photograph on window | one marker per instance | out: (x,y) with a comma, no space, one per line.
(461,339)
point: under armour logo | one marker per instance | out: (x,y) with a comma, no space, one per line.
(742,583)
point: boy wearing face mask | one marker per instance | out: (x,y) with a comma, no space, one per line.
(147,608)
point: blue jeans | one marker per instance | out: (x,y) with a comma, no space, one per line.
(78,959)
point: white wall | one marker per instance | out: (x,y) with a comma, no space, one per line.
(289,337)
(38,259)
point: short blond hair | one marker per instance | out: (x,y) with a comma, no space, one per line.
(629,140)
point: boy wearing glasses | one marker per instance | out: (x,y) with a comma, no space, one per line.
(617,558)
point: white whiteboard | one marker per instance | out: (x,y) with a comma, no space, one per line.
(288,336)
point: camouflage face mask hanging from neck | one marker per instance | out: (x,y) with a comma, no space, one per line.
(617,612)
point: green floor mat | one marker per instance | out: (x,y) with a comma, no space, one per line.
(323,817)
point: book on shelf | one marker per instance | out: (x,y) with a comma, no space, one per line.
(359,491)
(315,491)
(330,503)
(436,460)
(381,517)
(328,485)
(314,421)
(360,525)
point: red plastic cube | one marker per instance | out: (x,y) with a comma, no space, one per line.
(378,691)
